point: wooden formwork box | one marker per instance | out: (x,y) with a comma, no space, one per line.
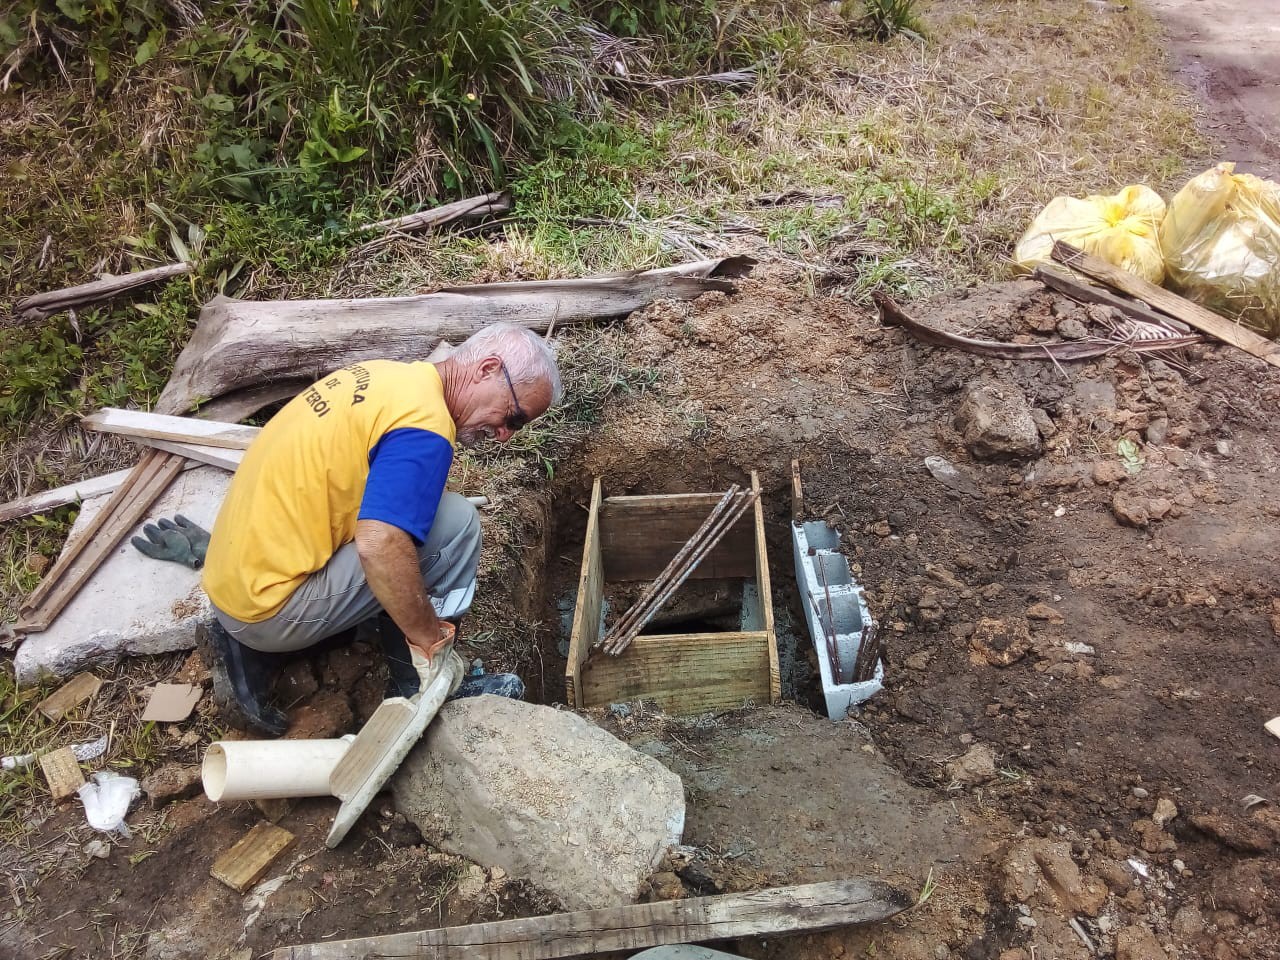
(633,539)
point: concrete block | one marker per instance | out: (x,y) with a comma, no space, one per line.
(830,595)
(132,604)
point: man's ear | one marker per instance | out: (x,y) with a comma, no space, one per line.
(488,368)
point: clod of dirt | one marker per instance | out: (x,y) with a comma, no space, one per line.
(977,766)
(665,886)
(173,781)
(1138,943)
(325,715)
(1042,611)
(995,420)
(296,682)
(1166,810)
(1236,834)
(346,665)
(999,643)
(1130,509)
(1042,870)
(1250,888)
(1107,472)
(193,671)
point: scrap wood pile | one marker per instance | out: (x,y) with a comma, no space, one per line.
(245,355)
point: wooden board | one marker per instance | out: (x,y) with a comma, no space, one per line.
(684,673)
(640,535)
(814,906)
(586,610)
(1182,309)
(1066,282)
(62,771)
(158,426)
(71,694)
(765,592)
(797,493)
(244,864)
(223,457)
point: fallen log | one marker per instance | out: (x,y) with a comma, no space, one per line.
(275,347)
(55,301)
(490,204)
(813,906)
(893,315)
(1183,309)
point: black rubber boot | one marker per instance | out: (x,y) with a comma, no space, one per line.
(241,680)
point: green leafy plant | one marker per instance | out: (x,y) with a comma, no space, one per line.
(884,19)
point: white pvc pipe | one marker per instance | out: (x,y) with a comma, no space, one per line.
(270,769)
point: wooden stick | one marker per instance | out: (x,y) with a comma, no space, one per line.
(55,301)
(1065,282)
(482,206)
(157,426)
(797,492)
(82,556)
(1183,309)
(685,551)
(813,906)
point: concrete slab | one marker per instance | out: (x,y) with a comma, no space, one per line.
(132,604)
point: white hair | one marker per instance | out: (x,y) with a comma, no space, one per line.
(529,358)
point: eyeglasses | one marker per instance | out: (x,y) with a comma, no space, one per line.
(518,419)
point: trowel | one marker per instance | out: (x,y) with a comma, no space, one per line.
(383,743)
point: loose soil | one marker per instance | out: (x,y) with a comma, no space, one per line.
(1108,668)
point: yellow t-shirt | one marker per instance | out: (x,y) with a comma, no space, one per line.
(371,441)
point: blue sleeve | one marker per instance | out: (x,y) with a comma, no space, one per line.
(407,471)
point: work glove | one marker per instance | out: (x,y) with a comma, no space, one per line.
(178,540)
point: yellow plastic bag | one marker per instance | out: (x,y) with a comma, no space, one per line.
(1221,242)
(1123,230)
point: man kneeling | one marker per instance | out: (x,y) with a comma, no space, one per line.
(338,515)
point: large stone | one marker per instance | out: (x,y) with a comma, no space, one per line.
(131,604)
(996,423)
(543,794)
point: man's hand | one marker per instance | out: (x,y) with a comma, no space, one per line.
(429,650)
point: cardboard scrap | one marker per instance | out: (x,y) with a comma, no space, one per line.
(81,687)
(62,770)
(244,864)
(1273,726)
(171,702)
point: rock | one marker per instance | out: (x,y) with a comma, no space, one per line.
(1236,834)
(1166,811)
(98,849)
(1157,430)
(324,716)
(995,421)
(1107,472)
(131,605)
(999,643)
(173,781)
(1189,921)
(977,766)
(1130,509)
(545,795)
(1138,943)
(1141,793)
(1158,507)
(916,661)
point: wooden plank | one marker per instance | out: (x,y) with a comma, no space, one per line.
(1182,309)
(71,493)
(70,695)
(244,864)
(159,426)
(640,535)
(1065,282)
(586,610)
(765,589)
(684,673)
(797,493)
(223,457)
(82,556)
(62,771)
(814,906)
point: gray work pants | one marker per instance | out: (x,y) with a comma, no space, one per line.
(337,596)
